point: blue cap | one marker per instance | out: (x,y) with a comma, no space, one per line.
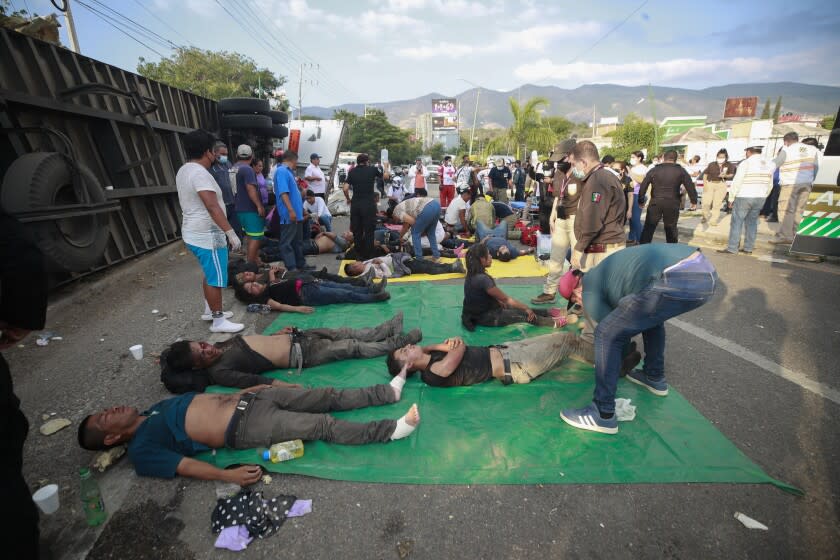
(314,156)
(266,455)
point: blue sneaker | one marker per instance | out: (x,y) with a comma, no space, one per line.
(588,418)
(659,388)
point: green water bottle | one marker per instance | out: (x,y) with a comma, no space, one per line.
(284,451)
(91,499)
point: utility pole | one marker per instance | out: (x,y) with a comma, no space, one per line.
(71,28)
(655,123)
(300,86)
(475,117)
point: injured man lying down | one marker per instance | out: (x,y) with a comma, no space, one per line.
(163,440)
(453,364)
(241,361)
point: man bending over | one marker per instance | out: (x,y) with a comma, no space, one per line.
(162,440)
(238,362)
(454,364)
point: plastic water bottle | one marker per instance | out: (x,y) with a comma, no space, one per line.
(284,451)
(91,499)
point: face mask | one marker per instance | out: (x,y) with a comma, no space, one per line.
(578,173)
(721,161)
(223,159)
(634,161)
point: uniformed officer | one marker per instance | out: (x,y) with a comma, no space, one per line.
(666,179)
(566,190)
(601,212)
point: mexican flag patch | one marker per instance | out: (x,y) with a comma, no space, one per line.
(596,197)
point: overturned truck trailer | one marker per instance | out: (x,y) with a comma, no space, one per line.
(88,154)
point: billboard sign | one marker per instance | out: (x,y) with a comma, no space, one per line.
(740,107)
(445,114)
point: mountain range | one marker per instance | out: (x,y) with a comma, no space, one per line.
(607,100)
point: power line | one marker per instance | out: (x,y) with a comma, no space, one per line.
(126,27)
(150,34)
(600,39)
(154,15)
(108,21)
(326,78)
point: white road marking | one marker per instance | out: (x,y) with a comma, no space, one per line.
(820,389)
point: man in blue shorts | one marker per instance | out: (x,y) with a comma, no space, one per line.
(249,207)
(205,228)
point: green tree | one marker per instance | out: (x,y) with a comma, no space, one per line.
(436,151)
(765,113)
(372,132)
(634,134)
(214,74)
(777,110)
(528,131)
(561,126)
(828,122)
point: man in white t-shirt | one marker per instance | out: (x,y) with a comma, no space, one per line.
(317,209)
(315,177)
(447,182)
(456,212)
(205,228)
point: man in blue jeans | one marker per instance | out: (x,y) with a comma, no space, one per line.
(752,183)
(632,292)
(290,213)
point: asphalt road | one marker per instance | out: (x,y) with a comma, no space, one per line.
(783,315)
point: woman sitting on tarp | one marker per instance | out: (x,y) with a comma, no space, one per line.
(486,304)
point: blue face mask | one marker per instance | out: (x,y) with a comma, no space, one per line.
(222,159)
(578,173)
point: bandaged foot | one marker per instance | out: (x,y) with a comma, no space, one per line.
(398,381)
(407,423)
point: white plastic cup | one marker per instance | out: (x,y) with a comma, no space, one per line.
(137,351)
(47,498)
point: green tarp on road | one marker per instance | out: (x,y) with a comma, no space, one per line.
(492,434)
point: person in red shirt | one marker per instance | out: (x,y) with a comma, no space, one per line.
(447,182)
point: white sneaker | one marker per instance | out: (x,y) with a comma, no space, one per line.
(209,316)
(227,327)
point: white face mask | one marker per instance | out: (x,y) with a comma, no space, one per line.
(721,161)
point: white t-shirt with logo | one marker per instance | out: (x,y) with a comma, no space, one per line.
(197,227)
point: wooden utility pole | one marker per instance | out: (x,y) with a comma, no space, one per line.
(71,28)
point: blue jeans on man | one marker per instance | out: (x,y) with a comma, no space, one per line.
(682,288)
(291,245)
(325,293)
(425,224)
(496,237)
(326,221)
(745,213)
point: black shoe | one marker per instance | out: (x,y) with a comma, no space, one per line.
(745,252)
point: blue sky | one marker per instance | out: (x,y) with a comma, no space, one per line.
(384,50)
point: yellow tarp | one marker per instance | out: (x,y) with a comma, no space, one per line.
(522,267)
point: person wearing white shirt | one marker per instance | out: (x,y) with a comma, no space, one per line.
(317,209)
(753,181)
(416,178)
(314,177)
(798,164)
(456,212)
(205,229)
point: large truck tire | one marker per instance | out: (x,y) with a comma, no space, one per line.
(240,122)
(279,131)
(244,105)
(279,117)
(43,179)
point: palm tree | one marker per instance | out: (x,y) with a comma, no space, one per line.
(528,129)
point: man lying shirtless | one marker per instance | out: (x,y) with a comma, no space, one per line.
(162,440)
(400,264)
(453,364)
(238,362)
